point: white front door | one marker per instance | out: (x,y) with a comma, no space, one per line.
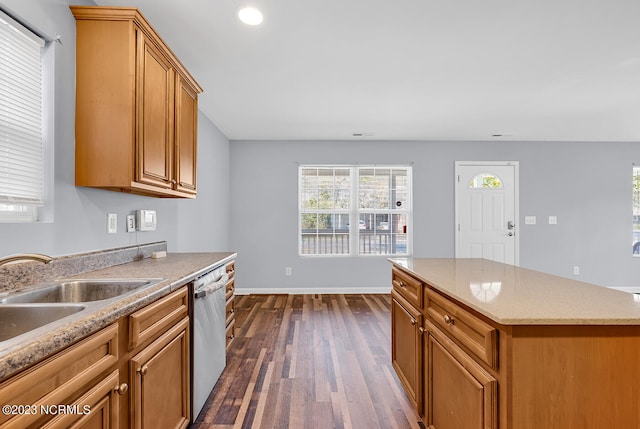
(486,211)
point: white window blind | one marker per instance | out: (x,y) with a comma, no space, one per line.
(21,120)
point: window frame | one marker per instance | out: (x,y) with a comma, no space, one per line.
(635,209)
(354,211)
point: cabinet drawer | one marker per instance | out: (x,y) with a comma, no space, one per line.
(477,336)
(230,288)
(231,329)
(231,309)
(156,318)
(409,287)
(59,379)
(231,269)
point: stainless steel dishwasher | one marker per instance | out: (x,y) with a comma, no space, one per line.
(208,342)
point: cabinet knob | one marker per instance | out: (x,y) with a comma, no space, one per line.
(421,329)
(173,181)
(143,370)
(448,319)
(413,321)
(231,337)
(403,284)
(122,389)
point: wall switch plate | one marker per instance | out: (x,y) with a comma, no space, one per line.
(131,223)
(553,220)
(287,271)
(529,220)
(576,271)
(112,223)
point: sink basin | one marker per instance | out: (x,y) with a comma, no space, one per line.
(75,291)
(18,319)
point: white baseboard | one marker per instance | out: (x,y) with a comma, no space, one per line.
(307,291)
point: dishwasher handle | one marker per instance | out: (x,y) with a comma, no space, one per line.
(208,288)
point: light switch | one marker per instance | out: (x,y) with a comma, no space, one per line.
(112,223)
(529,220)
(553,220)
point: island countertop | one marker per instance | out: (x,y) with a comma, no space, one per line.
(510,295)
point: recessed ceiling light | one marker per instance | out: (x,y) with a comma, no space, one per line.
(250,15)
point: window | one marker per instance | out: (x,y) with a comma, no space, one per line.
(21,122)
(485,181)
(636,211)
(354,210)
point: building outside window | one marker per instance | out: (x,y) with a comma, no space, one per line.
(354,210)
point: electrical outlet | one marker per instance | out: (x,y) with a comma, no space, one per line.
(287,271)
(112,223)
(131,223)
(576,271)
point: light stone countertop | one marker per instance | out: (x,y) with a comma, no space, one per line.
(511,295)
(177,269)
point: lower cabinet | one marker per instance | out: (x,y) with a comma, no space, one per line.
(472,403)
(160,381)
(97,409)
(132,374)
(406,347)
(443,356)
(230,306)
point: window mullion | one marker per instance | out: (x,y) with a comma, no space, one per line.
(354,224)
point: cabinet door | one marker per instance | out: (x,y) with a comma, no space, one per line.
(97,409)
(160,387)
(186,136)
(460,394)
(154,116)
(406,347)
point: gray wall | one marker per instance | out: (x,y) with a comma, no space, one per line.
(586,185)
(80,214)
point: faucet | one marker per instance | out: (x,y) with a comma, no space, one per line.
(25,257)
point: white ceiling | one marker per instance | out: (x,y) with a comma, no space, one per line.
(411,69)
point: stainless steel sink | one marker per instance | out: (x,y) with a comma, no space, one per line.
(76,291)
(18,319)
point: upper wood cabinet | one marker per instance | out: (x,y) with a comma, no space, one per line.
(136,107)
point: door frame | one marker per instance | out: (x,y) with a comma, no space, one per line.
(516,200)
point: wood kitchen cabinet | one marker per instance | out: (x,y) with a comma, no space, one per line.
(406,340)
(160,381)
(159,364)
(481,374)
(136,107)
(84,375)
(134,373)
(440,352)
(460,394)
(98,408)
(406,347)
(230,304)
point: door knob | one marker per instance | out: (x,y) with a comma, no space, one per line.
(510,234)
(511,225)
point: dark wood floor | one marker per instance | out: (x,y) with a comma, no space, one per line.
(309,361)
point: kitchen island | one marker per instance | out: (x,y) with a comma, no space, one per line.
(479,344)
